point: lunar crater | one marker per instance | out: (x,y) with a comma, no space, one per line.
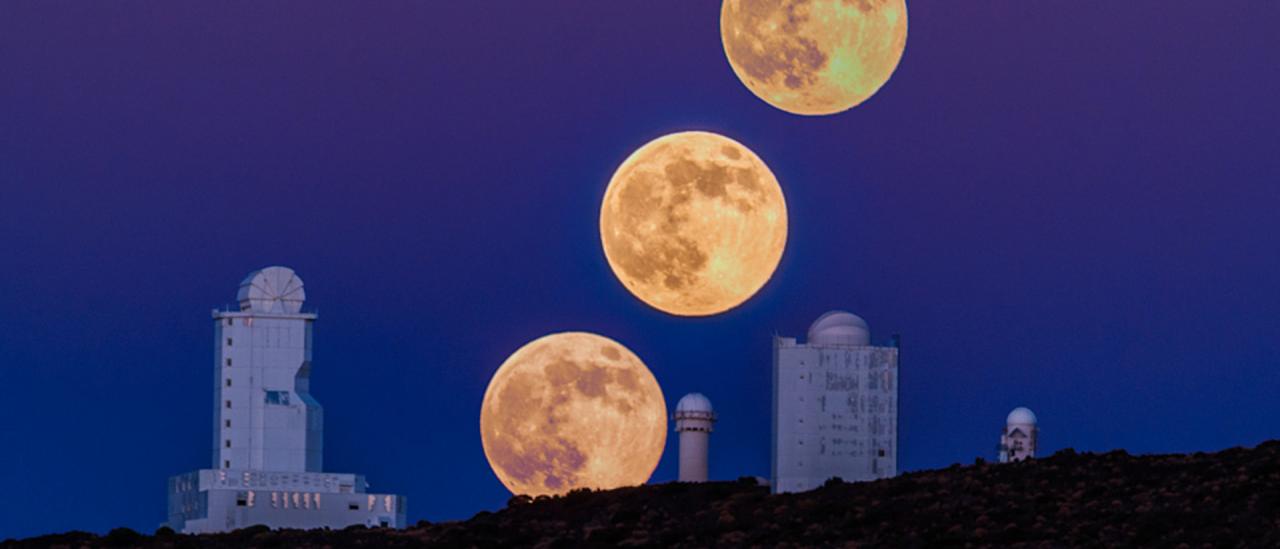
(693,223)
(813,57)
(572,410)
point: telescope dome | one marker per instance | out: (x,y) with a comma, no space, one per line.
(1021,416)
(839,328)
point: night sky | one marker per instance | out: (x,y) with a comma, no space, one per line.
(1071,206)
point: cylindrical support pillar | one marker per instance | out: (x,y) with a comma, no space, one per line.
(693,455)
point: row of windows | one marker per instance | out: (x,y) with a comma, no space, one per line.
(306,500)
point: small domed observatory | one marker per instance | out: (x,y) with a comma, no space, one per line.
(835,405)
(694,419)
(1018,442)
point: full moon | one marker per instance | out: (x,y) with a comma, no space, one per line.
(572,410)
(814,57)
(693,223)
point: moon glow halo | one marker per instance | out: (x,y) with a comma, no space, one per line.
(572,410)
(693,223)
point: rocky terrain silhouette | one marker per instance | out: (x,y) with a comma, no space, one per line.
(1223,499)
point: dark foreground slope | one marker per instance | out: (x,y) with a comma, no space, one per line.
(1228,498)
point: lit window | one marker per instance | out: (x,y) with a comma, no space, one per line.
(372,499)
(296,500)
(386,503)
(275,501)
(251,498)
(317,498)
(278,397)
(306,500)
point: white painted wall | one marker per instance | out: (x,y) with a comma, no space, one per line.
(835,413)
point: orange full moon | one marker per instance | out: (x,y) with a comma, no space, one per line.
(693,223)
(572,410)
(813,57)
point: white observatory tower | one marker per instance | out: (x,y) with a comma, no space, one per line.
(835,405)
(694,419)
(1018,442)
(268,429)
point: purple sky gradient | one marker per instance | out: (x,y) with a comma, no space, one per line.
(1068,206)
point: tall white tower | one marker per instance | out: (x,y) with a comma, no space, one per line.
(835,406)
(267,431)
(1018,441)
(264,415)
(694,419)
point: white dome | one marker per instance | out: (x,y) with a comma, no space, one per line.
(271,290)
(839,328)
(694,403)
(1021,416)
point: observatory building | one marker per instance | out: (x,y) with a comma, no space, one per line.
(1018,441)
(268,429)
(694,419)
(835,406)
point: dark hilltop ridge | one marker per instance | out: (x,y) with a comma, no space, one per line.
(1224,499)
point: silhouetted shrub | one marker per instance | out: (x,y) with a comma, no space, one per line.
(123,537)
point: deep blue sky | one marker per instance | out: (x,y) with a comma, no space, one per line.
(1067,205)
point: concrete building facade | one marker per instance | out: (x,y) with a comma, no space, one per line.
(835,406)
(268,431)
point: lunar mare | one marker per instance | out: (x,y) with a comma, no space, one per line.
(693,223)
(572,410)
(814,57)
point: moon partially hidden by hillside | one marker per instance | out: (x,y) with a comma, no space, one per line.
(693,223)
(814,57)
(572,410)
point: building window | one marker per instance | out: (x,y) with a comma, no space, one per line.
(353,506)
(226,464)
(228,382)
(227,443)
(278,397)
(228,361)
(228,423)
(228,342)
(228,404)
(229,322)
